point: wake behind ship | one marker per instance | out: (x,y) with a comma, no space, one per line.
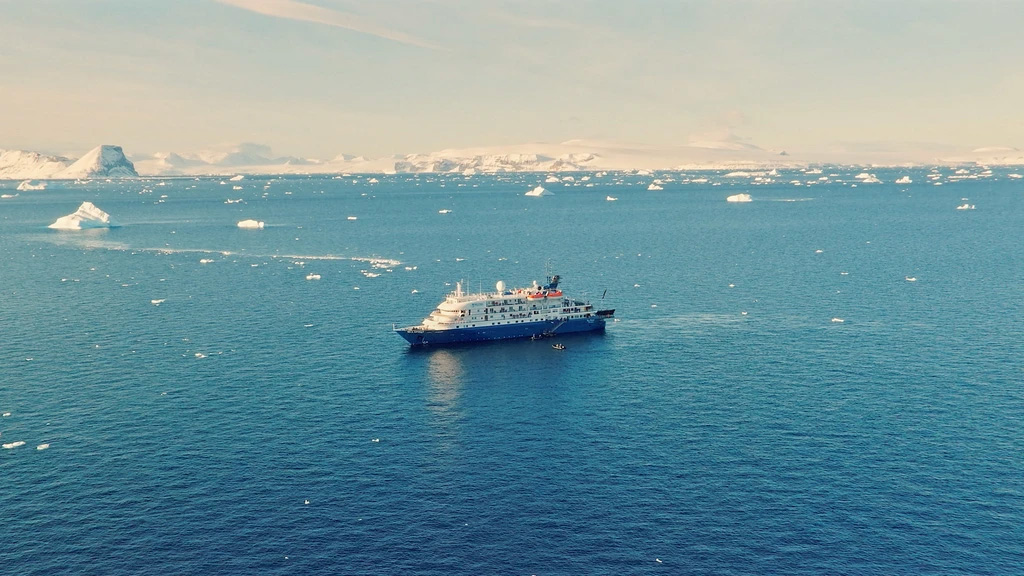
(533,312)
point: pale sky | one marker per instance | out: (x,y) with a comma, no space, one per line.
(316,78)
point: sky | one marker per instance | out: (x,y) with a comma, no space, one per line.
(316,78)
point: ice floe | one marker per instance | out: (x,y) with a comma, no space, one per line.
(252,224)
(87,216)
(610,198)
(654,186)
(739,198)
(28,185)
(42,447)
(965,206)
(236,177)
(444,211)
(312,276)
(539,191)
(904,180)
(10,445)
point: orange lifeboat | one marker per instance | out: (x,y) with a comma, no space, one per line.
(536,295)
(555,294)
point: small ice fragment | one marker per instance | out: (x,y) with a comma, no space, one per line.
(654,305)
(838,320)
(732,285)
(236,178)
(910,279)
(739,198)
(415,291)
(610,198)
(444,211)
(251,224)
(205,261)
(42,447)
(10,445)
(200,355)
(312,276)
(904,180)
(539,191)
(306,502)
(819,251)
(157,302)
(375,440)
(352,218)
(654,186)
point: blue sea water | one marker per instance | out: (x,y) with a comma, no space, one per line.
(725,424)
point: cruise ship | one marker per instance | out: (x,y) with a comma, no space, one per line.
(535,312)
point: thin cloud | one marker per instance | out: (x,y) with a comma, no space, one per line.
(295,10)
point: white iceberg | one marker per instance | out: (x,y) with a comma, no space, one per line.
(539,191)
(866,178)
(28,185)
(252,224)
(87,216)
(610,198)
(904,180)
(739,198)
(965,207)
(654,187)
(237,177)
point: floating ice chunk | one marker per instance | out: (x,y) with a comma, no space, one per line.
(6,414)
(552,180)
(6,196)
(10,445)
(87,216)
(739,198)
(42,447)
(200,355)
(444,211)
(252,224)
(965,207)
(904,180)
(654,186)
(312,276)
(205,261)
(239,188)
(28,185)
(1014,176)
(910,279)
(539,191)
(838,320)
(375,440)
(610,198)
(352,218)
(237,177)
(415,291)
(157,302)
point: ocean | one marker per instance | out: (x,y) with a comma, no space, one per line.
(824,380)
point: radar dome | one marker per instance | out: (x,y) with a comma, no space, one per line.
(500,286)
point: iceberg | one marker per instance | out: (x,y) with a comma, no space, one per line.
(539,191)
(739,198)
(251,224)
(237,177)
(87,216)
(904,180)
(654,186)
(28,185)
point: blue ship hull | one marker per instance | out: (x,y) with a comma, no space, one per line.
(420,337)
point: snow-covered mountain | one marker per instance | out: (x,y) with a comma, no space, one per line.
(104,161)
(100,162)
(23,165)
